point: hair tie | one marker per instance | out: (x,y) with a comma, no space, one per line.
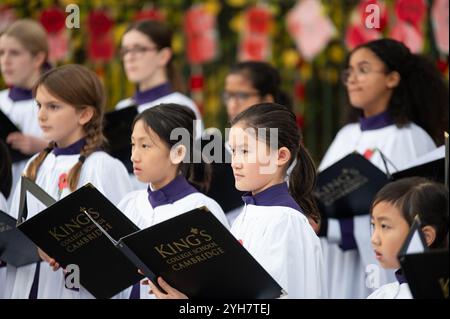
(81,159)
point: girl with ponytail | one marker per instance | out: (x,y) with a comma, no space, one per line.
(164,157)
(71,103)
(274,225)
(399,112)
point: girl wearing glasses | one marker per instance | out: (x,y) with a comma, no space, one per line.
(23,58)
(400,111)
(148,61)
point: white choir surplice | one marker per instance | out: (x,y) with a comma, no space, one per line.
(395,290)
(153,97)
(20,107)
(4,208)
(278,235)
(346,269)
(148,208)
(107,174)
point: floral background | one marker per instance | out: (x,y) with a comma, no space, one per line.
(306,40)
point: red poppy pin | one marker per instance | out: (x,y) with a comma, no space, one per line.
(62,182)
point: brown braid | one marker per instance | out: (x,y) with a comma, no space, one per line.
(32,169)
(94,140)
(79,87)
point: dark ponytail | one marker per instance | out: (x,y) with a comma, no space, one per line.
(163,119)
(421,96)
(302,182)
(303,177)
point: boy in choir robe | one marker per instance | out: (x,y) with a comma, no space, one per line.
(71,103)
(402,105)
(394,209)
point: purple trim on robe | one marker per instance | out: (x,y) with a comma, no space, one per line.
(136,291)
(72,149)
(375,122)
(142,97)
(19,94)
(175,190)
(400,277)
(35,285)
(348,240)
(276,195)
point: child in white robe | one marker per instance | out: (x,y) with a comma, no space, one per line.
(71,101)
(274,225)
(393,211)
(402,104)
(23,58)
(146,51)
(163,163)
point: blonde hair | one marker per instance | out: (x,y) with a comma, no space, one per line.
(78,86)
(31,35)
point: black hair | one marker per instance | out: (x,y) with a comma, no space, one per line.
(264,78)
(421,96)
(163,119)
(419,196)
(302,179)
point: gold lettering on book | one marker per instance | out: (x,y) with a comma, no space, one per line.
(196,247)
(443,283)
(79,230)
(348,181)
(4,227)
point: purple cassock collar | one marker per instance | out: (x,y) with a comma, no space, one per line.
(175,190)
(142,97)
(375,122)
(276,195)
(72,149)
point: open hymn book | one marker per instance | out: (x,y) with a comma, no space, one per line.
(193,252)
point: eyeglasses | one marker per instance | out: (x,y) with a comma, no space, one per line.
(238,96)
(360,72)
(136,51)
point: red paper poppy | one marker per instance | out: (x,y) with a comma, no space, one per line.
(196,82)
(442,65)
(53,19)
(99,22)
(62,182)
(368,153)
(149,14)
(258,20)
(411,11)
(300,119)
(358,34)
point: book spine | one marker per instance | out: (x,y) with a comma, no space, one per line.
(138,263)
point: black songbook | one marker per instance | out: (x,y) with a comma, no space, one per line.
(346,188)
(7,127)
(117,130)
(427,273)
(15,248)
(434,170)
(193,252)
